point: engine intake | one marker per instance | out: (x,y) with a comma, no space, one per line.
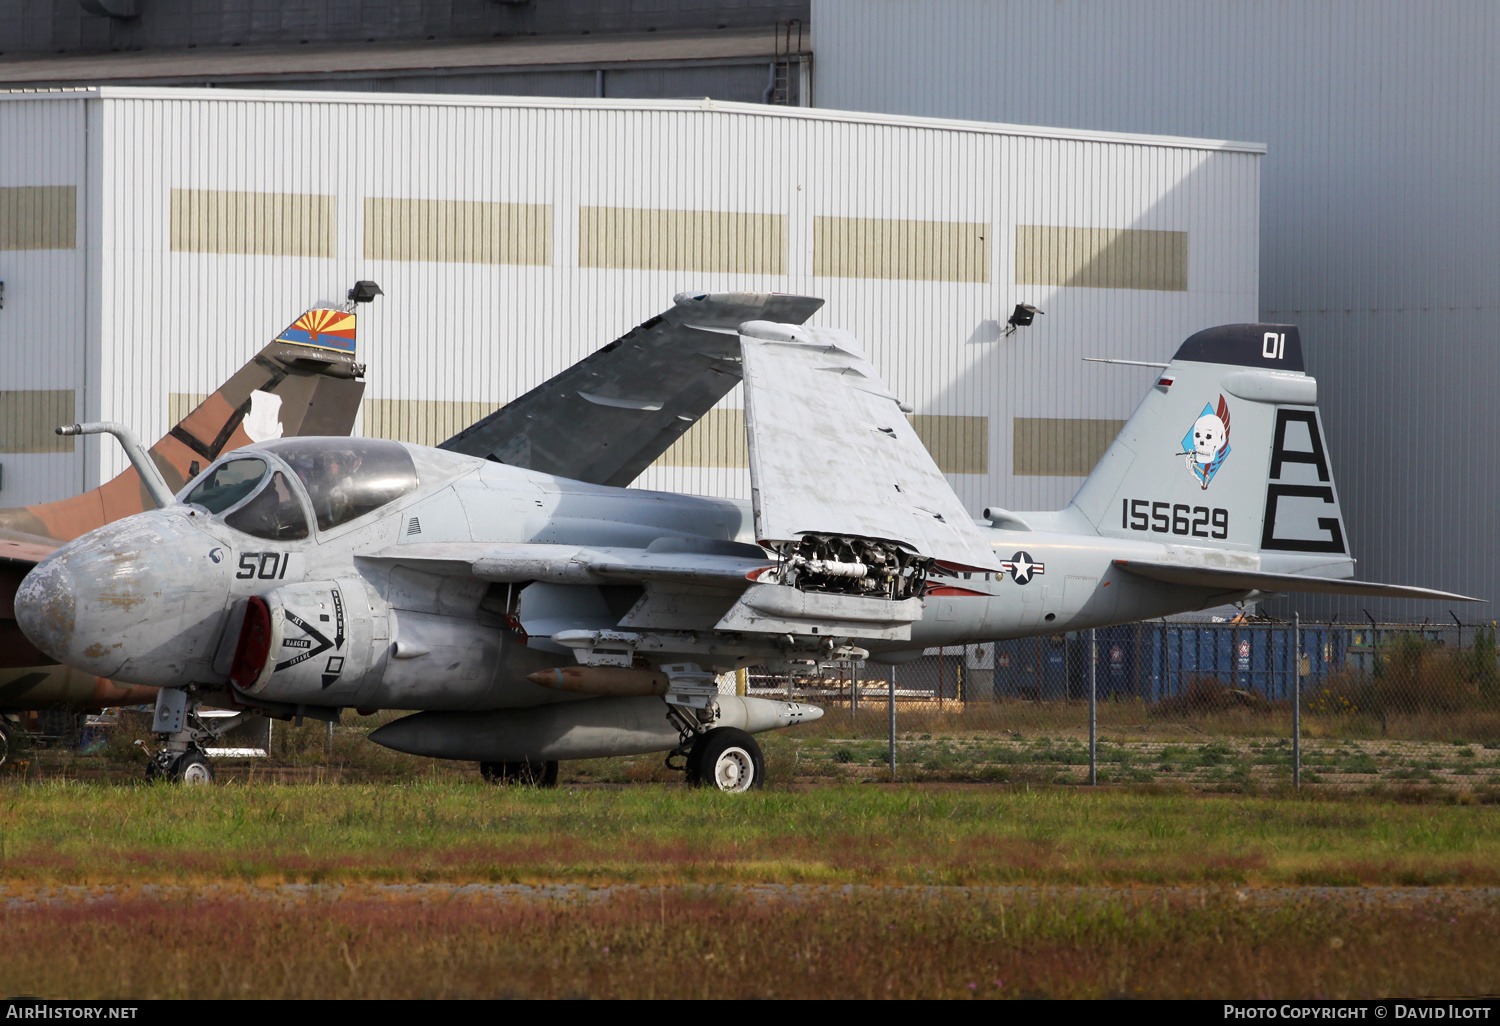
(313,643)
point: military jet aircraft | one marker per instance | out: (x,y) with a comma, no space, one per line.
(305,382)
(527,617)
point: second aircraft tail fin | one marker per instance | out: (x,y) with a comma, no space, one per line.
(305,382)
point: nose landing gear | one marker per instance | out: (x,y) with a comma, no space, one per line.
(183,735)
(191,767)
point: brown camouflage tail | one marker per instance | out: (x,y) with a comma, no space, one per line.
(306,382)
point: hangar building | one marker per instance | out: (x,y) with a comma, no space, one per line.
(1377,225)
(756,51)
(151,240)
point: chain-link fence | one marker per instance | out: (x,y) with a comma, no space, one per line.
(1231,706)
(1238,706)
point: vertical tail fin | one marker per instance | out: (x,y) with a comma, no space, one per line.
(305,382)
(1226,451)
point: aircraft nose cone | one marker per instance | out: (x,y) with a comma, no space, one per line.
(46,607)
(137,601)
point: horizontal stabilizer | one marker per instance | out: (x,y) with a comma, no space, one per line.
(1244,580)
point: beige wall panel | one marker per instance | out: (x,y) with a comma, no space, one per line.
(718,440)
(180,404)
(959,445)
(458,231)
(421,421)
(1101,258)
(713,241)
(1060,446)
(29,420)
(872,247)
(264,223)
(39,217)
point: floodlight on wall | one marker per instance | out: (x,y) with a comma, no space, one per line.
(364,292)
(1020,317)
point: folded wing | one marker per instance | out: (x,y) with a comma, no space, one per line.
(831,451)
(608,417)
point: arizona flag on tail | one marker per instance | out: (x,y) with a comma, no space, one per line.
(323,329)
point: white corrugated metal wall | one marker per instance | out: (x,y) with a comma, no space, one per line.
(1377,219)
(43,224)
(197,274)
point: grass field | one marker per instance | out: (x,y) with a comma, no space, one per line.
(680,943)
(977,875)
(460,831)
(874,890)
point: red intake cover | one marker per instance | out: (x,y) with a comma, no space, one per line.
(255,645)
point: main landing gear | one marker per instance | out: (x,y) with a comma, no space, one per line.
(726,758)
(520,774)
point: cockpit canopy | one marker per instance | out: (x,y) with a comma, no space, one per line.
(348,478)
(344,478)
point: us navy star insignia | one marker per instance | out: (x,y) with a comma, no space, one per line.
(1021,568)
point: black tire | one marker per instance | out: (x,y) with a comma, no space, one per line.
(5,735)
(694,767)
(728,759)
(520,774)
(156,772)
(193,770)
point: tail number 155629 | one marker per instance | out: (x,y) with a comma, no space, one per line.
(1174,518)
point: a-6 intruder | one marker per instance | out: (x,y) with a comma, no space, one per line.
(527,617)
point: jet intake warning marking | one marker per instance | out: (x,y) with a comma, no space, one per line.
(338,620)
(312,632)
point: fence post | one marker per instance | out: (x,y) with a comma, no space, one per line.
(1296,701)
(892,693)
(1093,705)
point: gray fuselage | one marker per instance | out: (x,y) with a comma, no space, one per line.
(158,598)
